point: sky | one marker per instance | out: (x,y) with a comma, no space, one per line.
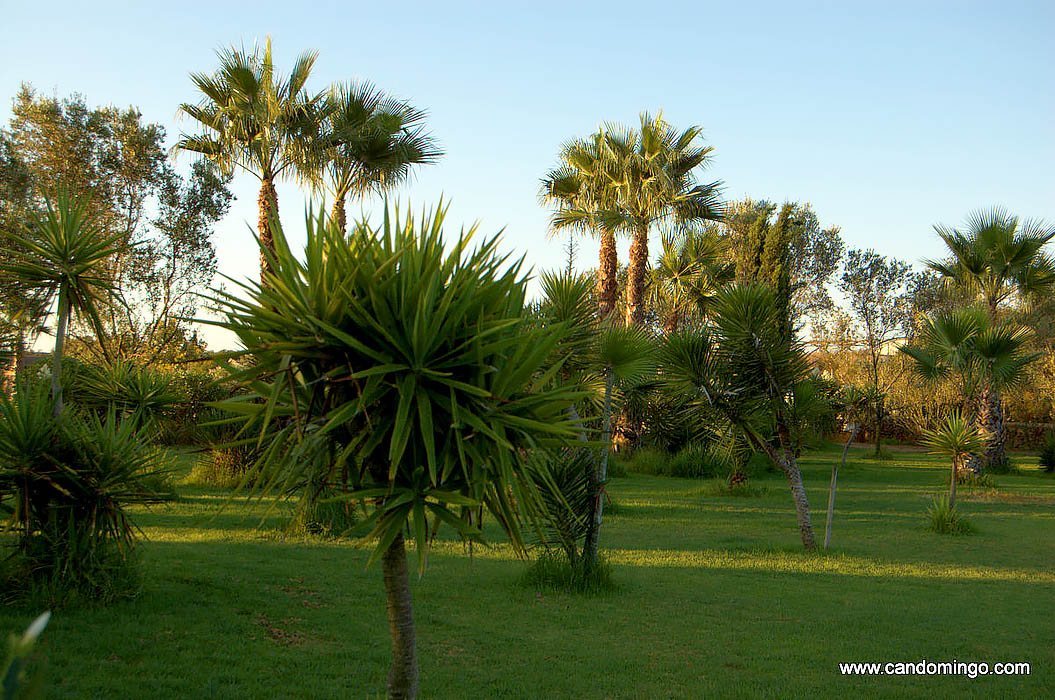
(887,117)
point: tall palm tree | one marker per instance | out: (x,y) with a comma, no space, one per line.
(656,185)
(688,273)
(996,257)
(369,144)
(258,121)
(582,188)
(981,358)
(65,255)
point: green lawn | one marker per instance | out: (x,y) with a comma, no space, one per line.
(715,598)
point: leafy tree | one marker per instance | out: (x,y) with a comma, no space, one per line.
(369,143)
(814,252)
(876,289)
(257,120)
(745,373)
(405,373)
(978,357)
(582,189)
(996,258)
(765,259)
(655,171)
(66,251)
(115,161)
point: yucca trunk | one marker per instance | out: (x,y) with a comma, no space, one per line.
(60,344)
(673,321)
(789,465)
(607,278)
(18,360)
(952,481)
(991,420)
(403,673)
(591,545)
(339,215)
(267,203)
(635,287)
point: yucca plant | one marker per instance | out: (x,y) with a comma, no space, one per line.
(743,371)
(68,481)
(401,369)
(944,518)
(137,393)
(65,253)
(13,681)
(957,438)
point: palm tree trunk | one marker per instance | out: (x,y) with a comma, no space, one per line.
(673,321)
(991,415)
(607,277)
(635,287)
(339,215)
(831,488)
(403,674)
(591,545)
(267,203)
(56,355)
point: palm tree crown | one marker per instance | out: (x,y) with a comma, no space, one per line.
(997,256)
(258,121)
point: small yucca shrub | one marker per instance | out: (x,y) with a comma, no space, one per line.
(67,481)
(945,519)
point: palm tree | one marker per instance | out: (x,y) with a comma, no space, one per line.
(66,252)
(582,189)
(995,258)
(369,144)
(403,373)
(655,184)
(980,357)
(257,121)
(688,273)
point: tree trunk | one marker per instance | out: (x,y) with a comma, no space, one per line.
(56,355)
(952,482)
(403,674)
(635,287)
(673,321)
(879,424)
(607,277)
(593,532)
(267,203)
(831,488)
(339,215)
(790,467)
(991,418)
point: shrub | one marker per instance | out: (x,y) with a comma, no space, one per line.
(562,480)
(68,480)
(1047,453)
(945,520)
(976,480)
(698,462)
(224,467)
(724,487)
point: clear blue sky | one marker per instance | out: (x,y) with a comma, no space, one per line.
(888,117)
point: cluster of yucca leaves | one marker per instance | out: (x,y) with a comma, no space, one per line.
(400,372)
(65,483)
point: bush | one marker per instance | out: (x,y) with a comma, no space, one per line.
(550,571)
(1003,467)
(1047,453)
(224,467)
(67,482)
(693,462)
(945,520)
(976,480)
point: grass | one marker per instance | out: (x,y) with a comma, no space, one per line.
(713,598)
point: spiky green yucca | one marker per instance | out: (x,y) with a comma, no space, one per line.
(402,370)
(68,481)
